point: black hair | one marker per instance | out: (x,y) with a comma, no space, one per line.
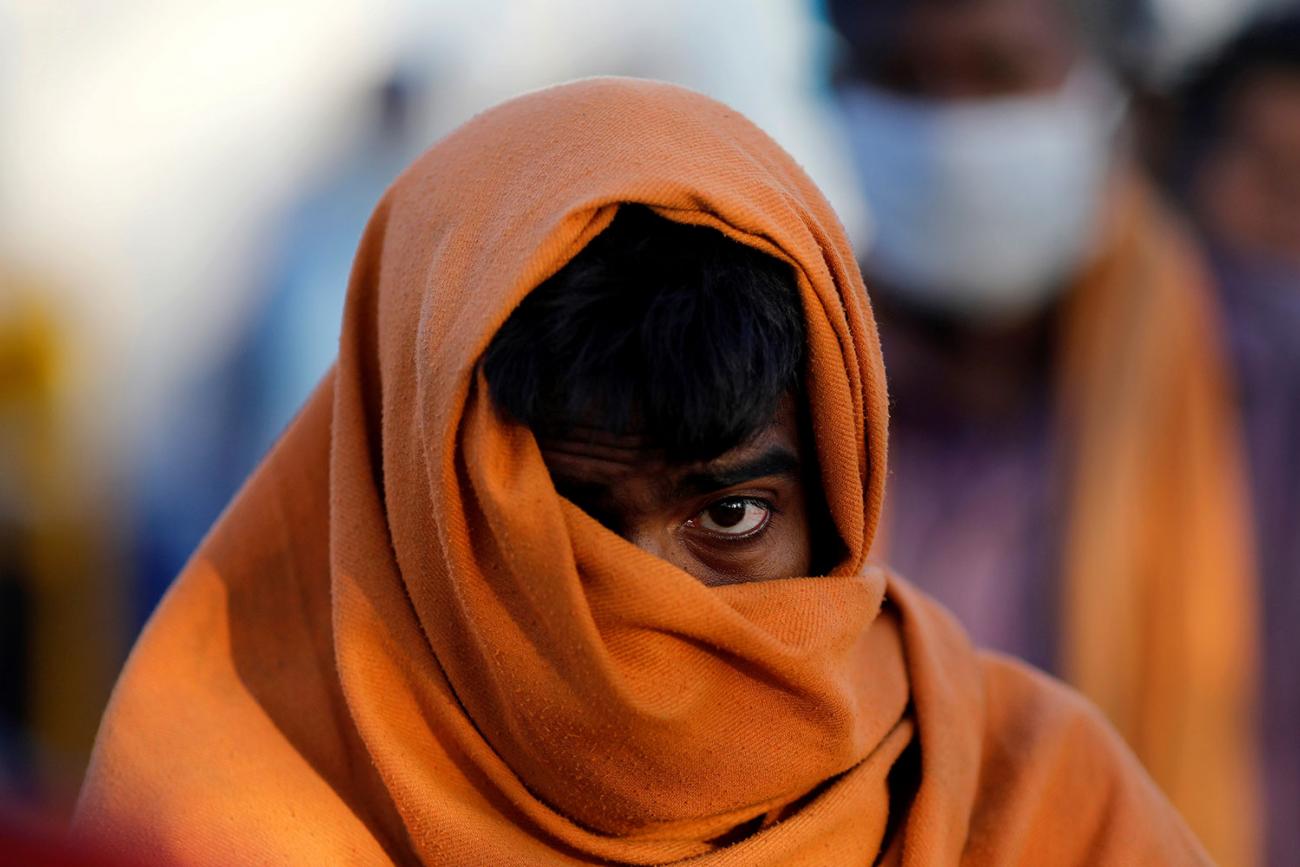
(669,331)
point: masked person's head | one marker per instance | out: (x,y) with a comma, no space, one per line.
(661,370)
(983,133)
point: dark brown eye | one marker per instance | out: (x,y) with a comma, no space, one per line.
(734,516)
(728,513)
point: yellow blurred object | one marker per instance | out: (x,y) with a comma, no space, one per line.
(56,550)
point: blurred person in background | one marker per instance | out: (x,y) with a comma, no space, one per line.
(142,144)
(1237,170)
(1059,376)
(60,636)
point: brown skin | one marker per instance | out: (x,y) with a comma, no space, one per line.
(1247,189)
(746,515)
(953,50)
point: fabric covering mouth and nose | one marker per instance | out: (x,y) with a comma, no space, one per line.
(400,644)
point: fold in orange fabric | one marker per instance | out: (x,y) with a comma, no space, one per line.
(400,644)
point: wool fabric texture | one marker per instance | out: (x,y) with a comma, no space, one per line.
(399,644)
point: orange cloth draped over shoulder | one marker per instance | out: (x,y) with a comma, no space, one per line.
(1158,595)
(400,644)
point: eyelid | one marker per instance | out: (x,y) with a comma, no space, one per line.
(761,502)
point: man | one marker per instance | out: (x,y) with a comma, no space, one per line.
(1058,372)
(565,562)
(1239,175)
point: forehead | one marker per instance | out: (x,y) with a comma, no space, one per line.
(1018,23)
(593,461)
(951,42)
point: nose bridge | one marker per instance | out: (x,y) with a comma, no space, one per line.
(654,537)
(647,536)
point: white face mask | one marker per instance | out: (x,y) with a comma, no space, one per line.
(983,209)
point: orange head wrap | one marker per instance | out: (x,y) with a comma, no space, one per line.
(604,682)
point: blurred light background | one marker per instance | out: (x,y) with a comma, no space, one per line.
(182,185)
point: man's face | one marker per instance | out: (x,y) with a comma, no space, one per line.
(948,50)
(743,516)
(1248,189)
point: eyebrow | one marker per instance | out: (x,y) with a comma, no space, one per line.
(776,461)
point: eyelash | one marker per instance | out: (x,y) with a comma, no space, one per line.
(765,504)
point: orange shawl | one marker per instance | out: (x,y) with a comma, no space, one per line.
(400,644)
(1158,619)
